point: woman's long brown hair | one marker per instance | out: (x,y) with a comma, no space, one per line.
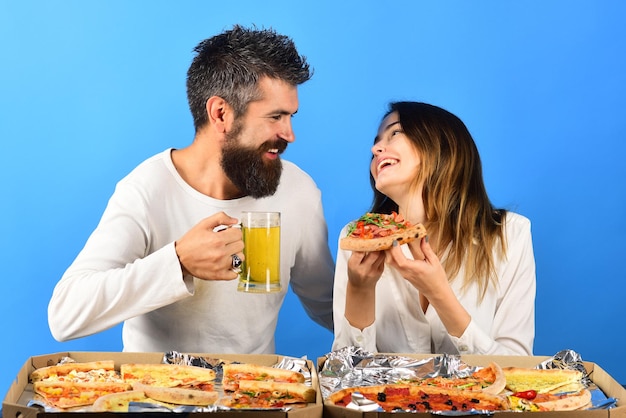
(459,214)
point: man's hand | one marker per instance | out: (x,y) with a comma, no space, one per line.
(207,254)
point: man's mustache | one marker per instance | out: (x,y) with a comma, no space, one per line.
(280,145)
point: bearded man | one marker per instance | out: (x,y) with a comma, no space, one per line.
(161,261)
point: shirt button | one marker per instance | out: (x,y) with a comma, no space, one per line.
(463,348)
(359,339)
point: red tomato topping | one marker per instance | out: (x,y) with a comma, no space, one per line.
(527,394)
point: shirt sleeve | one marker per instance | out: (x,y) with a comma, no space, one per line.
(312,274)
(345,334)
(116,264)
(513,327)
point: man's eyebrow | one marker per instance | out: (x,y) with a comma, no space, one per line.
(282,112)
(377,138)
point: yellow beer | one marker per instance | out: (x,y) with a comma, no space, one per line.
(261,266)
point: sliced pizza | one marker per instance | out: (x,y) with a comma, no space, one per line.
(566,401)
(416,398)
(118,402)
(234,373)
(169,375)
(519,379)
(95,371)
(488,379)
(532,401)
(267,394)
(64,394)
(377,232)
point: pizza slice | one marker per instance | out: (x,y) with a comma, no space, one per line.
(65,394)
(519,379)
(565,401)
(490,379)
(415,398)
(95,371)
(546,389)
(169,375)
(530,400)
(118,402)
(234,373)
(178,395)
(267,394)
(377,232)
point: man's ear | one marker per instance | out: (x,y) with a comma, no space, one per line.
(219,113)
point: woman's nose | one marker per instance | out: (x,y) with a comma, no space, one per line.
(377,148)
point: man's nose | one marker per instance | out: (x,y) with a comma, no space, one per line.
(286,131)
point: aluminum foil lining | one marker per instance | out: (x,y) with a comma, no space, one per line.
(353,366)
(567,359)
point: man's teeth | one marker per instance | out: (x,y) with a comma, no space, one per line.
(273,150)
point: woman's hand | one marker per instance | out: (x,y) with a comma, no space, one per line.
(425,272)
(364,271)
(428,276)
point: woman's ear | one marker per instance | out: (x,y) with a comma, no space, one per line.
(219,113)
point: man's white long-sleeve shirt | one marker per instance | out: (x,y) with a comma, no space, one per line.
(503,323)
(128,270)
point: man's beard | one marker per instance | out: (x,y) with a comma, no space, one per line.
(247,169)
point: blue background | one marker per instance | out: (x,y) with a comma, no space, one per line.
(89,89)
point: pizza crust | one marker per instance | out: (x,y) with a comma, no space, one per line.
(178,396)
(412,233)
(499,383)
(569,402)
(118,402)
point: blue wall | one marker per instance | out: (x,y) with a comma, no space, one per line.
(88,89)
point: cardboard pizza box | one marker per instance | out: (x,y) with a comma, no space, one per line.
(601,378)
(16,399)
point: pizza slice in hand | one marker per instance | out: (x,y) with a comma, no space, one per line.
(377,232)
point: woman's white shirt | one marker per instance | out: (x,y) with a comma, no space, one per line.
(503,323)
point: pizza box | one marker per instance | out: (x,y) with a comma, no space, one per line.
(16,400)
(601,378)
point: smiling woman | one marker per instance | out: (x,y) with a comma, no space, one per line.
(466,287)
(391,153)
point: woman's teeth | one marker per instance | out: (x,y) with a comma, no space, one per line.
(387,162)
